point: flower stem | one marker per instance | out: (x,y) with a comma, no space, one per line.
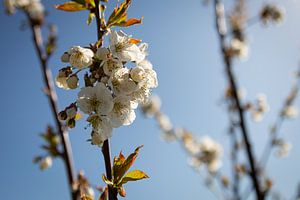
(112,193)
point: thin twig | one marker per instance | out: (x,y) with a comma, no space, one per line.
(221,30)
(112,193)
(275,131)
(52,97)
(234,161)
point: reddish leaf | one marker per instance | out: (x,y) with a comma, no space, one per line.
(131,22)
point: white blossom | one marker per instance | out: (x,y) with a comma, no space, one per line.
(110,65)
(97,99)
(164,123)
(80,57)
(141,95)
(283,149)
(239,48)
(210,153)
(146,64)
(290,112)
(152,106)
(102,129)
(122,48)
(121,82)
(35,9)
(122,112)
(260,107)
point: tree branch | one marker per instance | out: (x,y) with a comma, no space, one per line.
(221,30)
(52,97)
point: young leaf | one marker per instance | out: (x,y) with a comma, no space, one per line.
(134,175)
(119,16)
(118,163)
(130,22)
(124,167)
(71,6)
(90,18)
(90,3)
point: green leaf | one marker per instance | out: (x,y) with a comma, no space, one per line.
(134,175)
(90,18)
(90,3)
(71,6)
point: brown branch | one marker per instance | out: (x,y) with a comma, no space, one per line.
(112,192)
(52,97)
(221,30)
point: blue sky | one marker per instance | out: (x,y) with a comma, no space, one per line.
(185,54)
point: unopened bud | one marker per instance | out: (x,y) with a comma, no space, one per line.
(45,163)
(62,115)
(72,82)
(65,57)
(71,123)
(122,192)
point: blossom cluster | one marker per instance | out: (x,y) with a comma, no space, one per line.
(118,78)
(238,46)
(204,152)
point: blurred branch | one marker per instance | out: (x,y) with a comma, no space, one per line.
(52,97)
(275,129)
(221,30)
(234,163)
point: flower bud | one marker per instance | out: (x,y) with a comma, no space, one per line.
(72,82)
(61,82)
(71,123)
(102,53)
(65,57)
(62,115)
(46,163)
(122,192)
(71,112)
